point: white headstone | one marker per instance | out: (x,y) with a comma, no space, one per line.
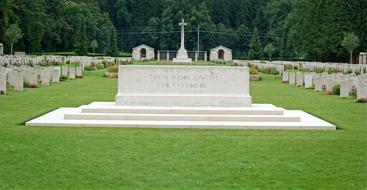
(292,78)
(346,87)
(330,83)
(285,76)
(78,72)
(45,76)
(318,83)
(55,75)
(65,71)
(30,77)
(17,81)
(308,80)
(71,72)
(324,76)
(183,86)
(299,78)
(362,90)
(2,82)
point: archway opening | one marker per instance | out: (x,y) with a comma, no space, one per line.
(221,54)
(143,53)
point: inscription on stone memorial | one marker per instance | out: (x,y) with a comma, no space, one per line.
(186,80)
(183,85)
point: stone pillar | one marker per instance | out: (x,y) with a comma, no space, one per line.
(205,57)
(167,55)
(158,56)
(196,56)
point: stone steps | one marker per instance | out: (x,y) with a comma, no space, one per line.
(181,117)
(183,110)
(106,114)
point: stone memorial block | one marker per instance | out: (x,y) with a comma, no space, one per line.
(2,82)
(346,87)
(71,73)
(65,71)
(299,78)
(362,90)
(45,77)
(292,78)
(285,76)
(55,74)
(78,72)
(140,85)
(318,83)
(308,80)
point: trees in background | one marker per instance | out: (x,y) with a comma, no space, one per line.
(256,49)
(94,45)
(58,25)
(269,50)
(350,42)
(297,29)
(12,35)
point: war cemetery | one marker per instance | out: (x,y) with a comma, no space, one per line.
(183,94)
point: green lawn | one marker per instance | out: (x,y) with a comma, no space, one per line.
(99,158)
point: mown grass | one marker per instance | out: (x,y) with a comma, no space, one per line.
(98,158)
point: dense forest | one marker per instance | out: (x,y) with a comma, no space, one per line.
(296,29)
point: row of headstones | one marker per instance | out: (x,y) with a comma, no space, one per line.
(325,81)
(36,60)
(278,68)
(17,77)
(311,66)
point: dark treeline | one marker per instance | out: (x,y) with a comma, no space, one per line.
(297,29)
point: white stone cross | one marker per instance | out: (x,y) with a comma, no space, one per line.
(182,56)
(182,24)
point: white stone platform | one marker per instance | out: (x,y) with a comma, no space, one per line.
(107,114)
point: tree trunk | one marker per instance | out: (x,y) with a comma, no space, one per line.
(351,58)
(11,49)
